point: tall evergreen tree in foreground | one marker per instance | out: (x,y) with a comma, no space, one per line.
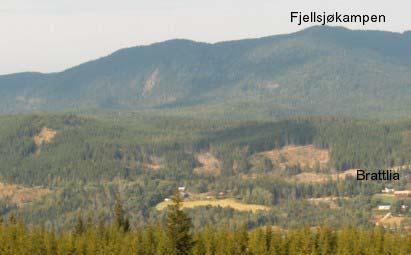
(178,228)
(80,227)
(121,221)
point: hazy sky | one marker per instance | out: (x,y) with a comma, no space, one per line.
(51,35)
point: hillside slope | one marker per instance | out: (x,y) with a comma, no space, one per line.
(320,70)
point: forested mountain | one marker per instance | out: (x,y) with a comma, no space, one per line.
(320,70)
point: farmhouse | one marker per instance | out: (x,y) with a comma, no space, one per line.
(387,190)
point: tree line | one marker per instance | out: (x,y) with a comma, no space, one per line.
(177,238)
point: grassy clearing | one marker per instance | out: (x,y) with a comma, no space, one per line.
(221,202)
(384,198)
(390,221)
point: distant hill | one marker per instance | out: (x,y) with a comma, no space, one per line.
(320,70)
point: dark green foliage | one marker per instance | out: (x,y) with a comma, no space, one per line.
(178,228)
(122,222)
(80,226)
(94,160)
(17,239)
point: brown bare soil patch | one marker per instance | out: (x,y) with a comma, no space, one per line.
(20,195)
(210,164)
(390,221)
(305,156)
(46,135)
(152,166)
(154,163)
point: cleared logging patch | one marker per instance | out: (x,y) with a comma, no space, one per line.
(304,156)
(210,164)
(46,135)
(20,195)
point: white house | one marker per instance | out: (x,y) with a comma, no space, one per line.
(387,190)
(384,207)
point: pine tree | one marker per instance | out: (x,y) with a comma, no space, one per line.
(89,221)
(241,241)
(178,228)
(118,214)
(257,243)
(149,241)
(101,228)
(210,240)
(121,221)
(200,248)
(51,243)
(12,219)
(80,227)
(126,225)
(268,237)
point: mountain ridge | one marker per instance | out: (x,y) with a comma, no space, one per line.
(302,72)
(406,34)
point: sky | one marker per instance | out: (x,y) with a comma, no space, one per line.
(52,35)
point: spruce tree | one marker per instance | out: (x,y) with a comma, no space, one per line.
(121,221)
(178,228)
(80,227)
(241,240)
(119,214)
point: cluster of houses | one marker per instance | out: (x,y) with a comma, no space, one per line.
(182,191)
(388,207)
(400,194)
(397,193)
(210,195)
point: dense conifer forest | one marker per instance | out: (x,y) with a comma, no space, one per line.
(91,236)
(89,160)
